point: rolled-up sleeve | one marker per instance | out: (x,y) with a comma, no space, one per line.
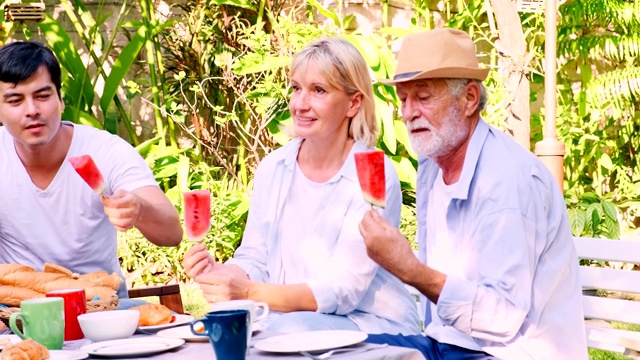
(252,254)
(492,298)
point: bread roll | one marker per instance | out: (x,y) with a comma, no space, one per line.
(102,278)
(6,269)
(21,282)
(153,314)
(25,350)
(102,292)
(57,269)
(37,281)
(12,295)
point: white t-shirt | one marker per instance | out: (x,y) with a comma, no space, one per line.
(304,206)
(443,256)
(342,277)
(65,223)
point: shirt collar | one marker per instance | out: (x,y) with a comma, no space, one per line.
(348,169)
(471,158)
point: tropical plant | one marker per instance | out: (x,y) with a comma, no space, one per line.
(93,85)
(593,216)
(598,116)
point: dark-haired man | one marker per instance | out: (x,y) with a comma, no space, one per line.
(48,213)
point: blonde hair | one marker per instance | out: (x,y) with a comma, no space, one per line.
(343,66)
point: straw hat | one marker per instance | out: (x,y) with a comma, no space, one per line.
(438,53)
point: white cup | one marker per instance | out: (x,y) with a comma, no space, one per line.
(257,310)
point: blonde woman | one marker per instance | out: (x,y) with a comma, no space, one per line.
(302,252)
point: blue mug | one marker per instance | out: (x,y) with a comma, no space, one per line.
(227,332)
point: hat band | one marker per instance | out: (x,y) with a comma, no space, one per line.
(406,75)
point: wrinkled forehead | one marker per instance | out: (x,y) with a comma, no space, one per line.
(432,85)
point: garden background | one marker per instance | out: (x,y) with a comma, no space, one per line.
(200,88)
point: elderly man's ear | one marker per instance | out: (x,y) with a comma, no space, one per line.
(472,98)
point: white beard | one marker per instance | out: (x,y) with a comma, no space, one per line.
(438,142)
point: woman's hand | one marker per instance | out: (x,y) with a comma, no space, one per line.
(224,282)
(197,261)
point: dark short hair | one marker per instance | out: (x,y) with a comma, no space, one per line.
(21,59)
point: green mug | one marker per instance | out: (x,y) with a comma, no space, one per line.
(42,321)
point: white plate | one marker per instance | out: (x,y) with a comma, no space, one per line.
(13,338)
(182,332)
(180,320)
(311,341)
(132,346)
(67,355)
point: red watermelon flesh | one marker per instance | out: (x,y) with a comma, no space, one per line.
(197,214)
(370,167)
(87,169)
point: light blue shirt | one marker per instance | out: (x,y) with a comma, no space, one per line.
(516,292)
(354,285)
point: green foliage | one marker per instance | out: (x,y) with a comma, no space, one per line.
(146,263)
(593,216)
(87,100)
(598,88)
(219,93)
(605,355)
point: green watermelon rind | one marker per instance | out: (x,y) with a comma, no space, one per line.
(373,201)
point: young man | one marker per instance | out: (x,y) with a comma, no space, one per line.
(497,263)
(48,213)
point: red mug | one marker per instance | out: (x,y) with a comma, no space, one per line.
(75,303)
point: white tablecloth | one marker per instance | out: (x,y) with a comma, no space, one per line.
(204,350)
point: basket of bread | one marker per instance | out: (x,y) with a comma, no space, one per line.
(21,282)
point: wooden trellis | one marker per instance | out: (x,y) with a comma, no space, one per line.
(14,12)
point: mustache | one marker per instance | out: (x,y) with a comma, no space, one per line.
(419,124)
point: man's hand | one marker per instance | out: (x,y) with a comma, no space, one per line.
(122,208)
(386,245)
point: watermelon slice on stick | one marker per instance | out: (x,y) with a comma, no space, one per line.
(87,169)
(197,214)
(370,167)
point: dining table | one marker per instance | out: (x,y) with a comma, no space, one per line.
(192,350)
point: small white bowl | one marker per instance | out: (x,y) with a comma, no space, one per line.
(109,324)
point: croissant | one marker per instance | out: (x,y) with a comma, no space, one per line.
(25,350)
(153,314)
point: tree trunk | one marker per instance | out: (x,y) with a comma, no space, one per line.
(513,63)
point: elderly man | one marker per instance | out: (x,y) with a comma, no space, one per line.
(497,264)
